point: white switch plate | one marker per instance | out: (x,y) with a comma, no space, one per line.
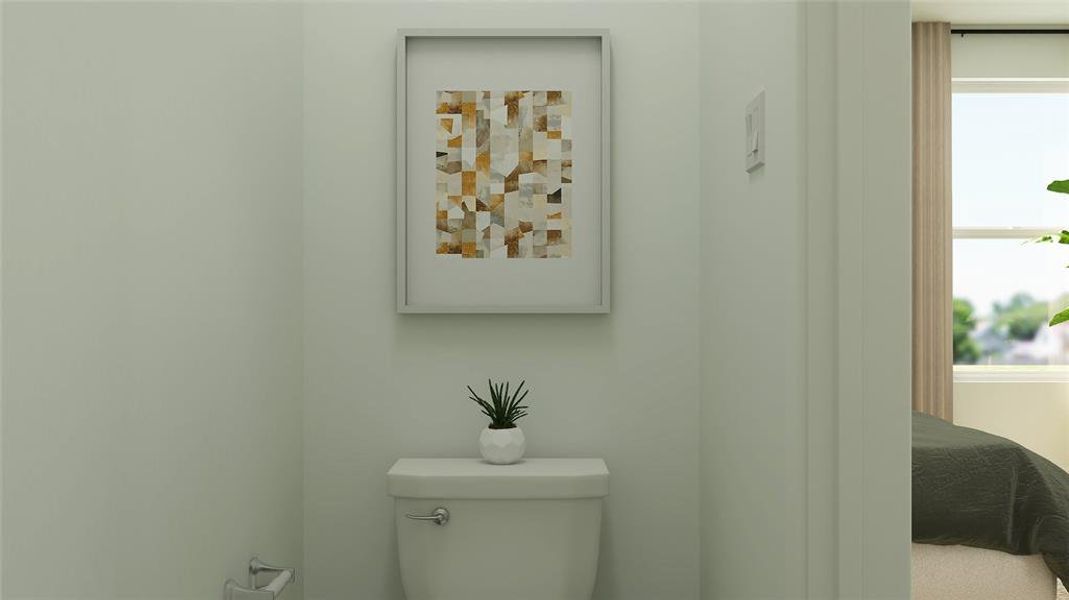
(755,132)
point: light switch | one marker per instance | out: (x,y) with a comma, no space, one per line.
(755,132)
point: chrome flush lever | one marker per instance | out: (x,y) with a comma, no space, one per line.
(440,516)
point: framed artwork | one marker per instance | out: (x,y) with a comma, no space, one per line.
(503,171)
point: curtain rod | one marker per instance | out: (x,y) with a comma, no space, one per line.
(1009,31)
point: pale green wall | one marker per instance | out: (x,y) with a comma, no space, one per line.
(198,227)
(151,297)
(753,453)
(623,386)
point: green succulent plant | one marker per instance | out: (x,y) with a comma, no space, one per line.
(1060,186)
(502,409)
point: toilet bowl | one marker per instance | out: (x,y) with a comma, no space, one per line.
(469,530)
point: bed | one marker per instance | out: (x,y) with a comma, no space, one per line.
(966,573)
(990,517)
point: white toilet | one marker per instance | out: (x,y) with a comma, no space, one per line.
(469,530)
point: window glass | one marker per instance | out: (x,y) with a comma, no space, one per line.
(1004,294)
(1006,148)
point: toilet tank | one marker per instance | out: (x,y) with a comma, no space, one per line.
(528,531)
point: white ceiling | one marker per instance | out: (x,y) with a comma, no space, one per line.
(994,12)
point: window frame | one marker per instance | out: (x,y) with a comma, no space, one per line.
(1007,373)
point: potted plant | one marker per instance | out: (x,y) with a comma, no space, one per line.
(1061,187)
(502,442)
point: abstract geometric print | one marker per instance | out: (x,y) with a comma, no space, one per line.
(504,174)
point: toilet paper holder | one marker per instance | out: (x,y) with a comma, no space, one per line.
(232,590)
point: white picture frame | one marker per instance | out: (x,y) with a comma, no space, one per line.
(600,256)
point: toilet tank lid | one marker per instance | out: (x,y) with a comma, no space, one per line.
(472,478)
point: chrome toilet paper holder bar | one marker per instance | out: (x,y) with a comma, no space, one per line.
(232,590)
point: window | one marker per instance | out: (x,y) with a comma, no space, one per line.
(1010,139)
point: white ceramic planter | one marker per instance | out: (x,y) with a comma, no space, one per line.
(502,446)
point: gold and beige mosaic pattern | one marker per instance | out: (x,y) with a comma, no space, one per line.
(504,174)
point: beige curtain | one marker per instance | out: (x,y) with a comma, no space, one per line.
(933,359)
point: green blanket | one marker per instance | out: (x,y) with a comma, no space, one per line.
(977,489)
